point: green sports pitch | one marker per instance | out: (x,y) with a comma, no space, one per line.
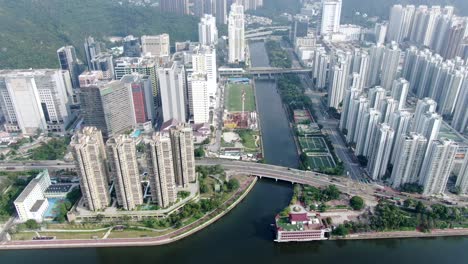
(318,162)
(313,144)
(234,97)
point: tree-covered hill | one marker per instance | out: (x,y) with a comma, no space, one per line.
(32,30)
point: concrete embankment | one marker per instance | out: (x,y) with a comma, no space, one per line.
(131,242)
(405,234)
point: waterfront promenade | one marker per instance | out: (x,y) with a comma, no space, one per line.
(176,235)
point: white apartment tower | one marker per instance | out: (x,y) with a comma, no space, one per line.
(198,97)
(90,157)
(380,151)
(399,92)
(462,179)
(236,32)
(161,170)
(331,15)
(172,84)
(204,61)
(437,166)
(207,31)
(183,154)
(121,152)
(411,152)
(390,65)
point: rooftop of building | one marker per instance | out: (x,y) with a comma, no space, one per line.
(31,185)
(37,205)
(27,72)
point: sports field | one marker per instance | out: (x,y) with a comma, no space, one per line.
(313,144)
(233,97)
(322,161)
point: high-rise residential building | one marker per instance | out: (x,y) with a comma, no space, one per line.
(358,107)
(204,61)
(199,100)
(131,46)
(462,178)
(142,98)
(183,153)
(172,84)
(452,87)
(161,170)
(350,95)
(159,46)
(428,125)
(331,15)
(200,8)
(92,49)
(388,107)
(221,11)
(437,166)
(207,31)
(380,151)
(321,68)
(299,27)
(69,62)
(104,63)
(391,61)
(400,122)
(412,148)
(146,65)
(460,116)
(380,31)
(366,134)
(422,107)
(236,32)
(400,22)
(249,4)
(35,100)
(416,63)
(399,92)
(90,156)
(109,107)
(179,7)
(454,39)
(339,78)
(376,54)
(376,97)
(124,171)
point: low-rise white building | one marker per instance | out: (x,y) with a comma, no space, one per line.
(31,203)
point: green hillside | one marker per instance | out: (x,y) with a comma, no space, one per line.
(32,30)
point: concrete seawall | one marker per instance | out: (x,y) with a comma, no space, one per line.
(123,242)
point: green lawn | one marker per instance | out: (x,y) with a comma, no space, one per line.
(234,98)
(248,138)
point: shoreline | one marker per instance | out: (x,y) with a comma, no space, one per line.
(405,234)
(124,242)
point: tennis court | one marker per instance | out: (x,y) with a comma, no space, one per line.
(321,161)
(313,144)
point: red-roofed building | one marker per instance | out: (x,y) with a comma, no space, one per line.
(299,218)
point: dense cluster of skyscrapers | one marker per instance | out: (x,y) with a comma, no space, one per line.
(170,163)
(371,87)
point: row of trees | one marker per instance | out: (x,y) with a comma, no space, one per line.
(55,149)
(277,55)
(413,215)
